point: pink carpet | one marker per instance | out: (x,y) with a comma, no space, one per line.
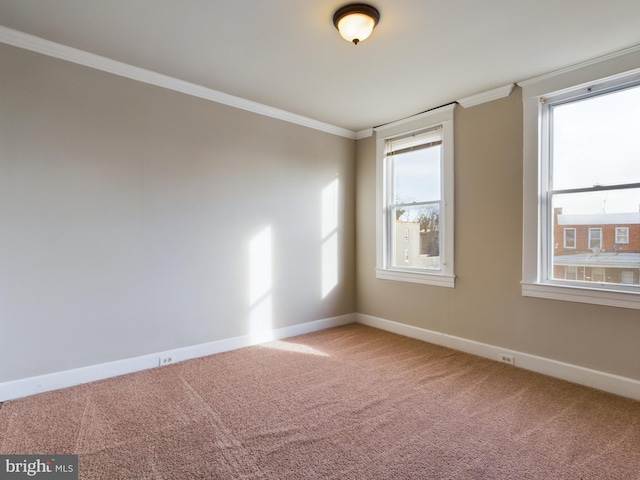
(350,402)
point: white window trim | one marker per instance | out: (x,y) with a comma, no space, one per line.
(621,66)
(445,277)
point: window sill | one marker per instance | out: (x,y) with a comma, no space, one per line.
(436,279)
(582,295)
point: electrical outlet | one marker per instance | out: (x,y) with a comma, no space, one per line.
(504,358)
(166,360)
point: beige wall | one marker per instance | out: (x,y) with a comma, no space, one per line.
(486,304)
(127,214)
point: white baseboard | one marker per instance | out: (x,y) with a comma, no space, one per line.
(619,385)
(626,387)
(53,381)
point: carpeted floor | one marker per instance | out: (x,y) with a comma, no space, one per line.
(350,402)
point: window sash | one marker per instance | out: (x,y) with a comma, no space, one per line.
(390,160)
(396,256)
(597,188)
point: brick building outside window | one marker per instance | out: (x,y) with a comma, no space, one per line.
(602,248)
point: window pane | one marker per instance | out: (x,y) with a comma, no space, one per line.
(416,237)
(417,175)
(596,141)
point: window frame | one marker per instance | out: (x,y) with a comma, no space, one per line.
(616,70)
(444,277)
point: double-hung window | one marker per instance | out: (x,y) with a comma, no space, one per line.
(415,199)
(569,238)
(595,239)
(581,181)
(622,235)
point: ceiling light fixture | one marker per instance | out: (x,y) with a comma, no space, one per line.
(356,21)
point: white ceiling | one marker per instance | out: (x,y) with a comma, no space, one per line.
(287,54)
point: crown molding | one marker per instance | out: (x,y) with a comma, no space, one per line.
(367,132)
(56,50)
(488,96)
(579,66)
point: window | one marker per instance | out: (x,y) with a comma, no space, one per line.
(597,274)
(595,239)
(581,178)
(622,234)
(415,199)
(569,238)
(628,277)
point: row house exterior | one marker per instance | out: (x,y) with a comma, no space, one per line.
(602,247)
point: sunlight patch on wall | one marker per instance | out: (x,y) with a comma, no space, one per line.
(329,237)
(260,287)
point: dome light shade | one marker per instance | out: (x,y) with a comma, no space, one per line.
(356,21)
